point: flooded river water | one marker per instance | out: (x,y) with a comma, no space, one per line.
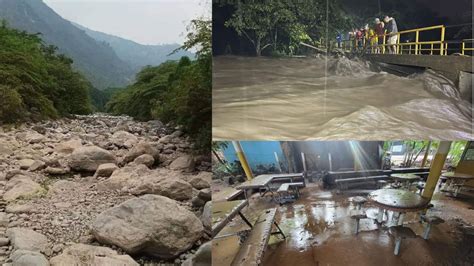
(315,98)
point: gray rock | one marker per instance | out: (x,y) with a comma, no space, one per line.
(145,159)
(183,163)
(106,169)
(28,258)
(27,239)
(89,158)
(37,165)
(123,139)
(20,186)
(202,180)
(69,146)
(82,254)
(151,224)
(25,163)
(140,149)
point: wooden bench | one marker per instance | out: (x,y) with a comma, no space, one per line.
(344,183)
(289,191)
(252,249)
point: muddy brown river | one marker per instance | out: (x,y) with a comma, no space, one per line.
(319,98)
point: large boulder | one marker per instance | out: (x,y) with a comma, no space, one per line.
(27,239)
(140,149)
(151,224)
(28,258)
(123,139)
(88,158)
(20,186)
(183,163)
(81,254)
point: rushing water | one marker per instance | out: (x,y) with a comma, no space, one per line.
(309,98)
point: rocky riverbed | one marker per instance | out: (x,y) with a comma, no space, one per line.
(102,190)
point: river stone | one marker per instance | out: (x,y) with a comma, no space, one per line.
(150,224)
(20,186)
(165,183)
(145,159)
(69,146)
(82,254)
(121,176)
(28,258)
(4,220)
(56,170)
(37,165)
(25,163)
(27,239)
(106,169)
(123,139)
(34,137)
(202,180)
(184,163)
(89,158)
(140,149)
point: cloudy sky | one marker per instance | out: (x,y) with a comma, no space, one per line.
(143,21)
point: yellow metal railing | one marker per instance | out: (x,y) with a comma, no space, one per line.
(417,46)
(464,48)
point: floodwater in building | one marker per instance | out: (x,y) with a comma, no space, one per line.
(338,98)
(319,231)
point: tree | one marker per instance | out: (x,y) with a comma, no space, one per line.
(255,20)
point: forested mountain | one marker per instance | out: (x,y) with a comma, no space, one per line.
(135,54)
(37,83)
(96,60)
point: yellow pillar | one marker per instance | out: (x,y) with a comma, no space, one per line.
(427,152)
(435,169)
(243,159)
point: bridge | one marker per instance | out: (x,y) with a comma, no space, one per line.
(419,48)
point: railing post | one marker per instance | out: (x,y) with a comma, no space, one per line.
(431,48)
(383,47)
(441,47)
(463,46)
(416,41)
(397,47)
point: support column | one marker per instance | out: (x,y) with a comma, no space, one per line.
(242,159)
(435,169)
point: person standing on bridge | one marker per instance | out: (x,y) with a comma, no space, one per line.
(379,31)
(392,30)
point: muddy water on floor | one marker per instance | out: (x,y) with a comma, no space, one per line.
(309,98)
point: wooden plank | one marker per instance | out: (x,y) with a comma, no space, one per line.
(252,250)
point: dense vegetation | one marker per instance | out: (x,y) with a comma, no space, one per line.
(278,26)
(36,82)
(96,60)
(175,91)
